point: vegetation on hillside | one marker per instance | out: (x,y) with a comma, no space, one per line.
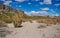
(18,16)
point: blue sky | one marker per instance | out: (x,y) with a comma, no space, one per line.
(35,7)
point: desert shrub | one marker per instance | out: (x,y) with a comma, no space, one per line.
(58,20)
(30,21)
(3,24)
(5,18)
(42,26)
(17,24)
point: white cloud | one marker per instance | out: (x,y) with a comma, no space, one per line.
(52,10)
(47,1)
(57,5)
(41,13)
(57,15)
(57,0)
(45,9)
(7,2)
(20,0)
(36,0)
(20,6)
(41,3)
(27,13)
(29,3)
(37,13)
(2,0)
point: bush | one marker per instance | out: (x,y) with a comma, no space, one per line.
(5,18)
(3,24)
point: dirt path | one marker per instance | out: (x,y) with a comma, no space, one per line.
(31,30)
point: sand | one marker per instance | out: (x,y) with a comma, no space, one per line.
(31,30)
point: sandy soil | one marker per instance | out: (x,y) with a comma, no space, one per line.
(31,30)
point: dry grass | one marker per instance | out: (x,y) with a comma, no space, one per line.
(49,21)
(3,24)
(18,18)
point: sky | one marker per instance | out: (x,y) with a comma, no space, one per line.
(35,7)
